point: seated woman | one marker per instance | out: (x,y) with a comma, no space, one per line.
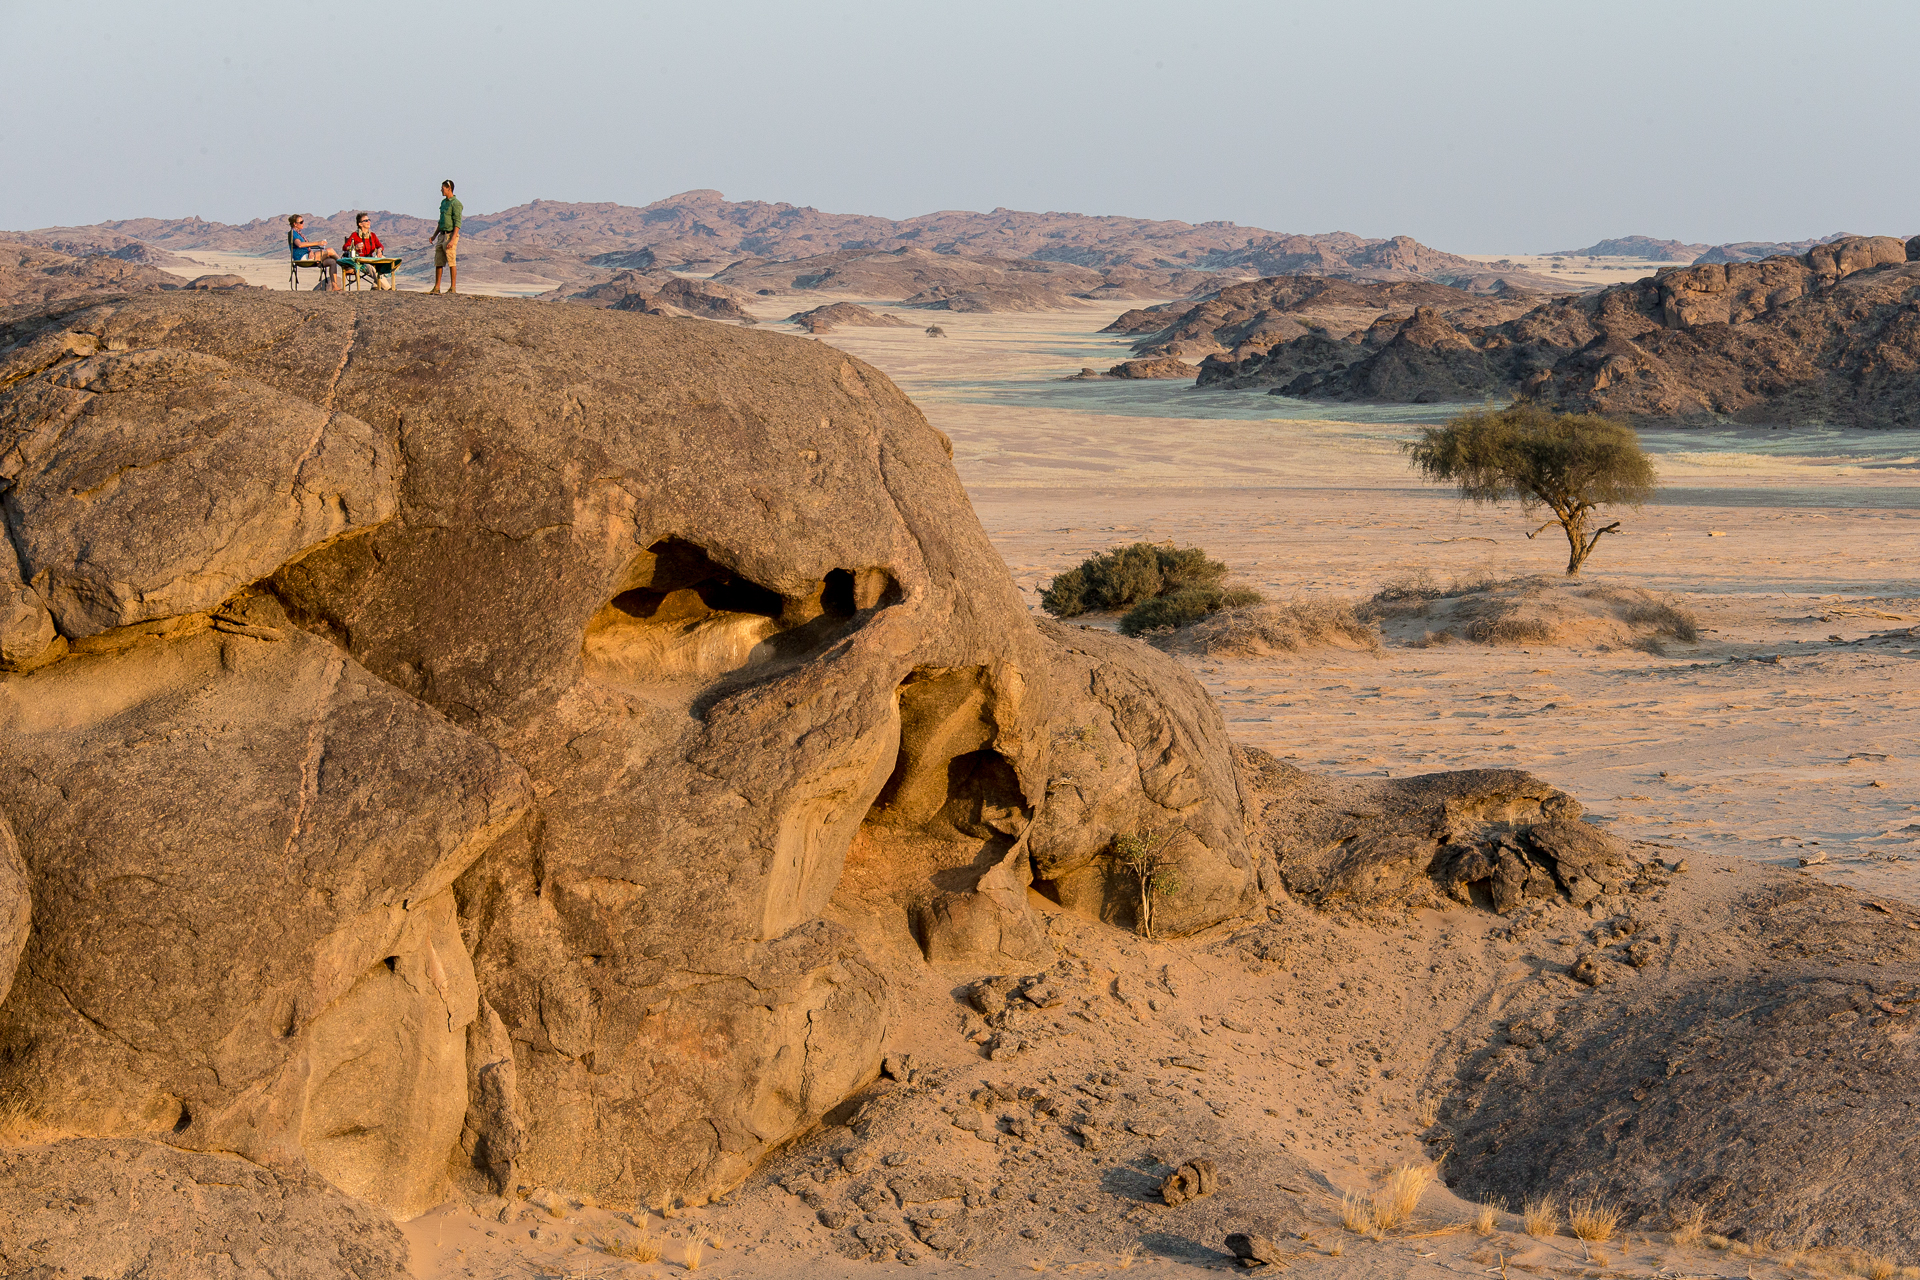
(305,250)
(363,244)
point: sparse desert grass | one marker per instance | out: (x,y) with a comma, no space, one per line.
(1429,1111)
(1593,1220)
(1878,1267)
(1127,1256)
(1538,1217)
(1266,630)
(1689,1226)
(1356,1213)
(1485,1220)
(1717,1242)
(1397,1200)
(696,1248)
(1335,1249)
(640,1248)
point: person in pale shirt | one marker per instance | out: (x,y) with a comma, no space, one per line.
(305,250)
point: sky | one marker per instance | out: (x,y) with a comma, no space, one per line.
(1474,126)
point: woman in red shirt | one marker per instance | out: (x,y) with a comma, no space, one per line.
(363,243)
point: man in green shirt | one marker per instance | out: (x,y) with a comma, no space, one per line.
(446,240)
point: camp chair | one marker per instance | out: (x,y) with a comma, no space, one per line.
(293,270)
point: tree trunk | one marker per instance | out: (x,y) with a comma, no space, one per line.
(1577,543)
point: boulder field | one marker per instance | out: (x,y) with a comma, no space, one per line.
(451,747)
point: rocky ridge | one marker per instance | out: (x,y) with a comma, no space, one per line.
(1825,336)
(1259,315)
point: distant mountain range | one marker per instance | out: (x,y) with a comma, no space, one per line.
(702,231)
(1648,249)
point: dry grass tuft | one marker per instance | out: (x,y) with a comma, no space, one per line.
(1878,1267)
(1335,1249)
(1356,1214)
(1396,1201)
(1539,1218)
(1484,1221)
(1592,1219)
(1127,1256)
(641,1248)
(1429,1113)
(1688,1227)
(1717,1242)
(696,1248)
(1268,630)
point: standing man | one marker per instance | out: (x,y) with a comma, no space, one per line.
(446,241)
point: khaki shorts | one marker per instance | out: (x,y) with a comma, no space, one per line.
(445,249)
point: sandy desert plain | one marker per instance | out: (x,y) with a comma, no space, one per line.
(1784,736)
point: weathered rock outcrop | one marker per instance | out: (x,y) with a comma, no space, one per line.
(30,275)
(1486,837)
(116,1209)
(1260,316)
(478,745)
(826,319)
(1832,335)
(1164,367)
(1761,1067)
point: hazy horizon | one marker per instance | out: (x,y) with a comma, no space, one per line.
(1482,128)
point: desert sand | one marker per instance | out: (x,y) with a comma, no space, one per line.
(1784,734)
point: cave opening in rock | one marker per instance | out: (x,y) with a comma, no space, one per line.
(680,612)
(951,811)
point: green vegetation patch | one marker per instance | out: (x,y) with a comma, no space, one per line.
(1157,586)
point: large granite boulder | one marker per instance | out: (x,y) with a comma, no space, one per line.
(489,743)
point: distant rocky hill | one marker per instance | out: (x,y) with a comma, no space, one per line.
(1755,250)
(33,275)
(1260,314)
(703,231)
(1831,335)
(1640,248)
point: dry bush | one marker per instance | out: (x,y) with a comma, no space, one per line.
(1539,1218)
(1263,631)
(1593,1219)
(1356,1214)
(1878,1267)
(1396,1201)
(1484,1221)
(1717,1242)
(1688,1227)
(1666,615)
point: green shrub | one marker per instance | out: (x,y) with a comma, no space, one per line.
(1126,576)
(1183,608)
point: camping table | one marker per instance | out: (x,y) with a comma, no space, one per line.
(379,266)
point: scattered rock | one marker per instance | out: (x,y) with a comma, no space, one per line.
(1190,1181)
(1254,1250)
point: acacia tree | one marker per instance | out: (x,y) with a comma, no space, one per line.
(1570,463)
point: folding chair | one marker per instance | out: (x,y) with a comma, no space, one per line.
(293,270)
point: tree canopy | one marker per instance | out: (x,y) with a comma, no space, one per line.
(1570,463)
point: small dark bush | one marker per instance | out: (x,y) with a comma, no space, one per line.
(1126,576)
(1182,608)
